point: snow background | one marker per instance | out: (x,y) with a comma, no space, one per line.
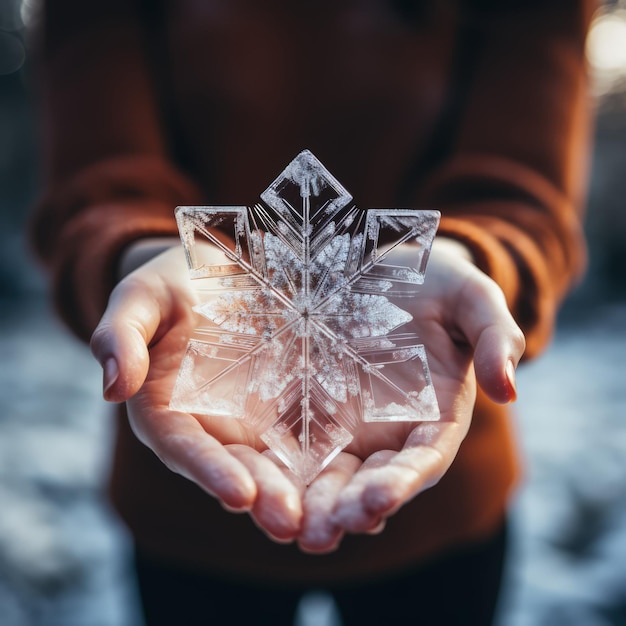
(64,557)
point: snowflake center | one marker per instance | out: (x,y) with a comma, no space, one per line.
(298,336)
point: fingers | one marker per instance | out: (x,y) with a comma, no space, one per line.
(185,448)
(120,341)
(319,533)
(388,479)
(496,355)
(240,477)
(484,318)
(277,509)
(472,303)
(144,305)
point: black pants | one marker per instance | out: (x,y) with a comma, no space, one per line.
(458,590)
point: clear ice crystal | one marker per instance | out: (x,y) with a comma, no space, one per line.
(297,335)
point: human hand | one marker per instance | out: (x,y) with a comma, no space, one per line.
(463,320)
(140,342)
(461,314)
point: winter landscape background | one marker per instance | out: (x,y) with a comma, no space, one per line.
(64,556)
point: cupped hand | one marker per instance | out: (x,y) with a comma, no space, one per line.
(140,342)
(463,320)
(470,336)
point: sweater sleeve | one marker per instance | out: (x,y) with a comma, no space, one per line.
(107,178)
(512,185)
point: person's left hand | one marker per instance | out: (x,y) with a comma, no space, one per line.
(462,317)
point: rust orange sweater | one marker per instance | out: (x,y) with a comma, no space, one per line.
(477,108)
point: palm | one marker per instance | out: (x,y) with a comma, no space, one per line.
(453,380)
(459,315)
(449,363)
(165,359)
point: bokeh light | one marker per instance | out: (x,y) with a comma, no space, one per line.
(606,50)
(12,48)
(12,52)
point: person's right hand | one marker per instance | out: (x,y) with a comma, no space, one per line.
(140,342)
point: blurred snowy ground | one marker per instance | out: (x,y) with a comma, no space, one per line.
(63,555)
(61,550)
(569,555)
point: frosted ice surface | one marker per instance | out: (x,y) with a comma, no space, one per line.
(299,331)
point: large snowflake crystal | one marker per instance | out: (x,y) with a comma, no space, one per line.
(297,337)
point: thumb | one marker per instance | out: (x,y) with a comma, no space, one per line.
(497,341)
(120,341)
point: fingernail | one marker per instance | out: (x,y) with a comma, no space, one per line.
(110,375)
(510,376)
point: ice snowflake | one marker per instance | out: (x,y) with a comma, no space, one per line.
(297,335)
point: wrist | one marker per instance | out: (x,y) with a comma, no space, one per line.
(141,251)
(453,247)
